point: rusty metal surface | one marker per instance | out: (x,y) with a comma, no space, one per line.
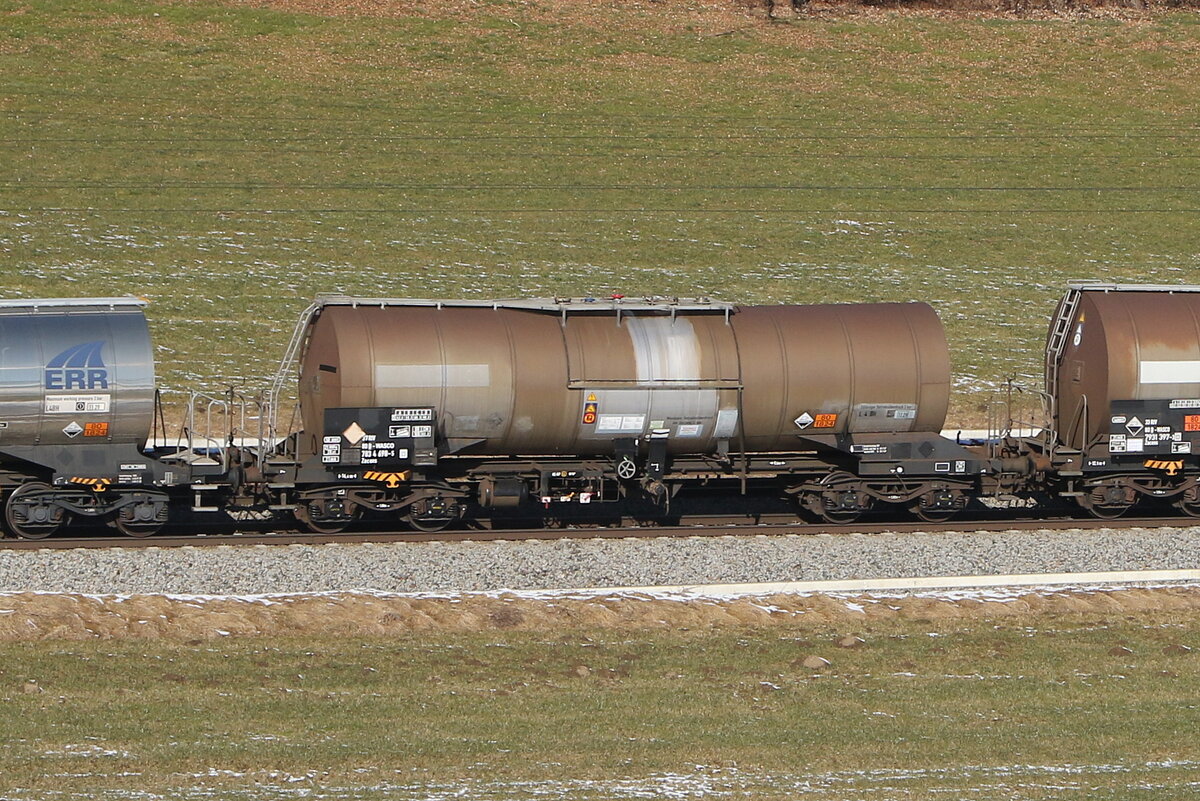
(558,380)
(1126,344)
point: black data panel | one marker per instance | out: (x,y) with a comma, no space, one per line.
(1154,427)
(375,436)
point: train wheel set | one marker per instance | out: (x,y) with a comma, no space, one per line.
(433,414)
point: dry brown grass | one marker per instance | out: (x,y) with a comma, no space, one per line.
(38,616)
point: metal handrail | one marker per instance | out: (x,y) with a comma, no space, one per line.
(1014,425)
(273,397)
(1060,330)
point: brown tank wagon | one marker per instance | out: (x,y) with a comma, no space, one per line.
(667,392)
(1123,373)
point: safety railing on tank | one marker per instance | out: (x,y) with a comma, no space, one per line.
(1080,425)
(213,426)
(1004,421)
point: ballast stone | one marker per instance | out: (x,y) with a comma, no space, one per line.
(570,564)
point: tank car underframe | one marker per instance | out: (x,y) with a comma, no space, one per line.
(36,510)
(112,482)
(841,497)
(1111,495)
(331,509)
(475,489)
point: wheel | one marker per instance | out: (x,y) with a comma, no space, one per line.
(931,515)
(317,518)
(936,506)
(1108,512)
(841,502)
(1189,508)
(840,515)
(432,514)
(1189,502)
(30,513)
(430,525)
(142,518)
(137,529)
(1106,501)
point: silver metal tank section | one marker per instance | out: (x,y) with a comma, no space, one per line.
(1123,363)
(75,371)
(569,377)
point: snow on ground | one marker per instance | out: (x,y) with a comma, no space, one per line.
(975,781)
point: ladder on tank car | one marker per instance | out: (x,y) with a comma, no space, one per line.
(1060,329)
(1056,343)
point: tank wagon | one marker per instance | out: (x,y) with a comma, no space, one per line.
(548,404)
(77,398)
(437,413)
(1123,382)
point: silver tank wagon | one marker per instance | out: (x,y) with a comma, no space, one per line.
(75,371)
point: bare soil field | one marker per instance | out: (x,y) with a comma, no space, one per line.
(671,12)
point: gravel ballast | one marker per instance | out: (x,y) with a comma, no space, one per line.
(568,564)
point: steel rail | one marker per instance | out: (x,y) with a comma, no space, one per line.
(714,528)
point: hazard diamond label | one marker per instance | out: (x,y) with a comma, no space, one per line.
(590,409)
(354,433)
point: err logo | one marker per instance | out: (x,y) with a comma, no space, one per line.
(78,367)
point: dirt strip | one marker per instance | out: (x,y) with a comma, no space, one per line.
(52,616)
(668,11)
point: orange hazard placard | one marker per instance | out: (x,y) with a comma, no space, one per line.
(825,421)
(590,409)
(95,430)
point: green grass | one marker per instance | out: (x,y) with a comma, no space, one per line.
(231,162)
(922,710)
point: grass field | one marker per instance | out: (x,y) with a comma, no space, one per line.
(230,161)
(1092,706)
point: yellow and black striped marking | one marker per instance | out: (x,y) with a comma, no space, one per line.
(1171,467)
(392,480)
(97,484)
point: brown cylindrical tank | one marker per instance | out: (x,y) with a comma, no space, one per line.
(1122,343)
(882,367)
(569,377)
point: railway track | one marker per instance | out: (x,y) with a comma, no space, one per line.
(698,528)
